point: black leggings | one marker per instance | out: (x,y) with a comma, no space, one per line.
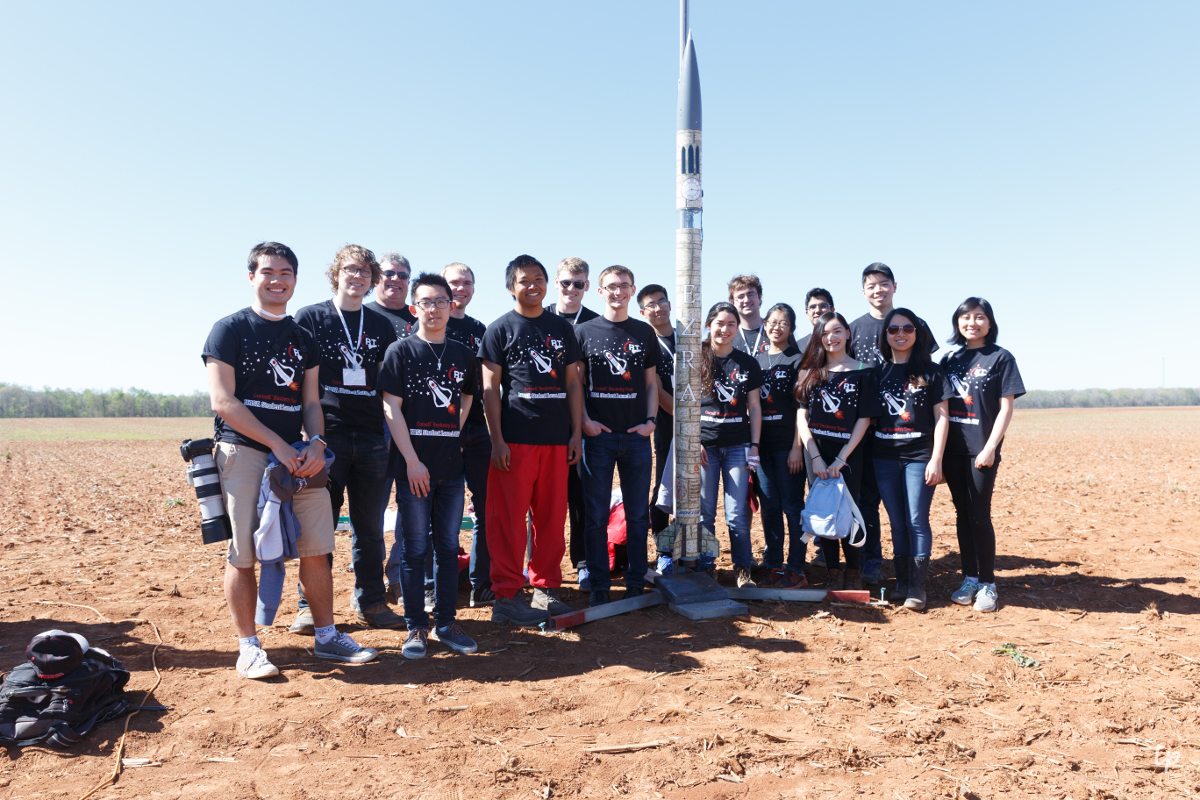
(852,475)
(971,490)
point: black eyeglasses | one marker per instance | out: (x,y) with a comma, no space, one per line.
(432,304)
(569,284)
(391,273)
(894,329)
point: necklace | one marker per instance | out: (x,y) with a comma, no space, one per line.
(435,355)
(266,313)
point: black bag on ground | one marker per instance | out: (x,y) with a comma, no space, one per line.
(60,692)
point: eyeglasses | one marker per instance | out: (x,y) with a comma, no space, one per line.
(778,323)
(358,272)
(822,307)
(894,329)
(391,273)
(569,284)
(654,305)
(613,288)
(429,305)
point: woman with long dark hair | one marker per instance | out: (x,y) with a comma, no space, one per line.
(730,424)
(781,473)
(836,394)
(986,384)
(910,440)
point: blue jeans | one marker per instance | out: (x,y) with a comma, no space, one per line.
(630,454)
(907,499)
(781,495)
(360,468)
(728,465)
(442,509)
(868,502)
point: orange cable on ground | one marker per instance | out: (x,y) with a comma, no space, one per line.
(157,680)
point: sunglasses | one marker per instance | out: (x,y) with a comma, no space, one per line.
(569,284)
(894,329)
(391,273)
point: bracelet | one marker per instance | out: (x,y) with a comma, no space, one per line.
(839,458)
(754,444)
(818,455)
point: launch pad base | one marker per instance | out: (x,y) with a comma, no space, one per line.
(800,595)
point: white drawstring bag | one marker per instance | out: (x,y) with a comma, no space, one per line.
(831,513)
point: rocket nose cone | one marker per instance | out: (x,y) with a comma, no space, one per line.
(689,114)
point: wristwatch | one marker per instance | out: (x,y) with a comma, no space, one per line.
(754,444)
(319,438)
(651,419)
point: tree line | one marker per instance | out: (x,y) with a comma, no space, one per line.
(22,402)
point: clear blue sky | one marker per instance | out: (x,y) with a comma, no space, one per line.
(1043,155)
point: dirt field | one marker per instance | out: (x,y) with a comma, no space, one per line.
(1098,573)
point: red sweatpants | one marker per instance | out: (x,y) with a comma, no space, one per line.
(536,482)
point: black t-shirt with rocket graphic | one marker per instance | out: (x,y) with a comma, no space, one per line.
(616,356)
(356,407)
(864,339)
(777,397)
(840,401)
(725,408)
(431,398)
(979,379)
(269,358)
(469,331)
(904,412)
(533,355)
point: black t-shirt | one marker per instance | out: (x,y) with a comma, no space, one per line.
(469,331)
(356,407)
(584,314)
(666,371)
(269,358)
(403,322)
(431,399)
(864,339)
(840,401)
(616,356)
(904,412)
(979,379)
(778,400)
(751,340)
(534,356)
(725,408)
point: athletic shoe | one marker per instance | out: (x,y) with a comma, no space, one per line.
(965,594)
(414,646)
(455,638)
(303,623)
(987,600)
(393,594)
(598,598)
(872,571)
(633,591)
(516,609)
(430,600)
(742,576)
(342,648)
(253,663)
(665,565)
(379,616)
(548,600)
(785,578)
(582,577)
(482,596)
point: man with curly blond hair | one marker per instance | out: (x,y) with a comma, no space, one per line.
(351,341)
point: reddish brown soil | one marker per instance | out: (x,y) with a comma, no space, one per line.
(1099,567)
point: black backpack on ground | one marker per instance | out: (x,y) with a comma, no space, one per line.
(60,709)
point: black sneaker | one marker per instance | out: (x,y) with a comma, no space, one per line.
(634,591)
(549,601)
(482,596)
(414,645)
(599,597)
(517,610)
(455,638)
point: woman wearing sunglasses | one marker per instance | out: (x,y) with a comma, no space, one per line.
(781,474)
(986,384)
(911,426)
(730,424)
(836,395)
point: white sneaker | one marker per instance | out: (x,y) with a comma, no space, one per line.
(253,663)
(987,600)
(966,593)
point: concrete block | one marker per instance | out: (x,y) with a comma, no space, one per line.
(690,587)
(710,609)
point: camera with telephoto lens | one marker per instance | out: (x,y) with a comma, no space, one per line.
(202,474)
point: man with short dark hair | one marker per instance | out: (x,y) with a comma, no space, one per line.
(879,287)
(656,309)
(818,301)
(533,406)
(351,341)
(619,372)
(745,292)
(264,384)
(428,383)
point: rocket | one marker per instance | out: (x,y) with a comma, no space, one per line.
(689,204)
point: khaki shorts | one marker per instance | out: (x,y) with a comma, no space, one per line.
(242,470)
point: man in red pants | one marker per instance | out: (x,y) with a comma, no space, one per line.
(533,403)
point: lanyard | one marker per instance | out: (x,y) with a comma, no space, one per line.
(757,339)
(668,349)
(354,344)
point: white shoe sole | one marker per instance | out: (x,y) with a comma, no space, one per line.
(258,673)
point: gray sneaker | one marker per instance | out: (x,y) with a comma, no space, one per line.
(342,648)
(517,610)
(987,599)
(965,594)
(548,600)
